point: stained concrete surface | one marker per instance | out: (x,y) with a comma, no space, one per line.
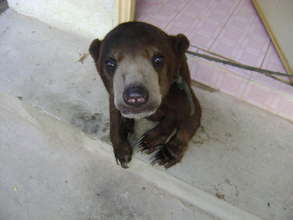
(241,155)
(50,170)
(3,5)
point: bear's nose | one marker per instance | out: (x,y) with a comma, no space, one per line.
(135,95)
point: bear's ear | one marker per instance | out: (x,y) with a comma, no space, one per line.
(180,43)
(95,49)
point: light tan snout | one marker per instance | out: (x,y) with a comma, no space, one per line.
(136,87)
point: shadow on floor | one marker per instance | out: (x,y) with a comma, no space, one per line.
(3,5)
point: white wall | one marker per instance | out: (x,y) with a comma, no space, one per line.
(88,18)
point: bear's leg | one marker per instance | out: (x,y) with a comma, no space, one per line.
(173,151)
(158,135)
(119,129)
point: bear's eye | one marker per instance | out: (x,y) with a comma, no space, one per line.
(158,60)
(111,64)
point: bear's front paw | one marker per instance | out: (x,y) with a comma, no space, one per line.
(152,140)
(123,154)
(169,154)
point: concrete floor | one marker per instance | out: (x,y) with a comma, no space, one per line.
(238,166)
(50,170)
(3,5)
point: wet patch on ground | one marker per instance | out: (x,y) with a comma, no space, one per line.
(97,124)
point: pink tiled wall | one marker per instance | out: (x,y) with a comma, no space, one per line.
(230,28)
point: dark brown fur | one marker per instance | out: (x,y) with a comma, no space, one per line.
(174,111)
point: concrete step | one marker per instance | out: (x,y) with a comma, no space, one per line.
(239,163)
(50,170)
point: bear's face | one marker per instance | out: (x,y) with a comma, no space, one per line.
(138,63)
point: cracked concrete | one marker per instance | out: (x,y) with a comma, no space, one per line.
(241,155)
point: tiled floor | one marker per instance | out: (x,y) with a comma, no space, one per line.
(230,28)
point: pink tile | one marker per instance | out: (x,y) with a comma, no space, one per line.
(232,84)
(199,7)
(261,96)
(238,72)
(286,89)
(265,80)
(246,74)
(285,107)
(207,74)
(225,47)
(167,11)
(244,38)
(183,23)
(155,21)
(273,62)
(159,12)
(193,66)
(230,28)
(148,7)
(212,22)
(200,39)
(178,4)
